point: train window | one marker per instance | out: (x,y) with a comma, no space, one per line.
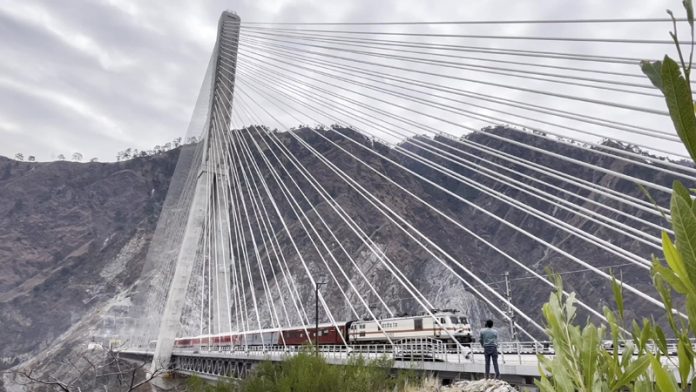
(418,324)
(443,320)
(454,320)
(463,320)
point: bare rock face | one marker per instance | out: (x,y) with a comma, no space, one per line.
(72,236)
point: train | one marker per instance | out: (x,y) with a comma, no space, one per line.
(452,327)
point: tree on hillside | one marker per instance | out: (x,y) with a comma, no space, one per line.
(19,156)
(95,159)
(31,158)
(77,157)
(61,157)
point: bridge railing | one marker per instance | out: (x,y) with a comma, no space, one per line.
(406,350)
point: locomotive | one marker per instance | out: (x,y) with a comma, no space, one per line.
(451,326)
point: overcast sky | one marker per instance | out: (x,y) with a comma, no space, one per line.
(99,76)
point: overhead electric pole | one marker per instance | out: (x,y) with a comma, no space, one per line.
(511,314)
(317,285)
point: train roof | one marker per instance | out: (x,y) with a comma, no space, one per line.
(266,330)
(435,312)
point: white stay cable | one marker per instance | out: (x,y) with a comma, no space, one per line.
(475,158)
(222,174)
(209,256)
(507,180)
(456,160)
(553,247)
(381,77)
(297,250)
(223,244)
(619,196)
(227,163)
(238,199)
(239,268)
(203,273)
(346,277)
(234,281)
(416,294)
(280,257)
(261,224)
(403,225)
(301,218)
(487,69)
(271,305)
(364,237)
(266,286)
(333,235)
(360,234)
(495,84)
(368,43)
(498,250)
(640,158)
(456,110)
(498,51)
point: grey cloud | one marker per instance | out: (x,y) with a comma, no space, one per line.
(143,62)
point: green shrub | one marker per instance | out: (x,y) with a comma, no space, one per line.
(197,384)
(580,364)
(581,361)
(306,372)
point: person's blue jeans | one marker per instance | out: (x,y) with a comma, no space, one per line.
(491,353)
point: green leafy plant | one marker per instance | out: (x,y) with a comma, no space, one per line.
(307,372)
(679,273)
(593,358)
(645,362)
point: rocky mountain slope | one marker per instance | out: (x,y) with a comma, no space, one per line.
(420,264)
(73,236)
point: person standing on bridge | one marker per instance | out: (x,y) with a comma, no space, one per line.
(489,341)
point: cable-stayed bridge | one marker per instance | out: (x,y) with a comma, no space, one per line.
(383,188)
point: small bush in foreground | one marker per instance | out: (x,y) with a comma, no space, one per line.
(306,372)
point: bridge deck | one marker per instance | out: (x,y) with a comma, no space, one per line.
(520,366)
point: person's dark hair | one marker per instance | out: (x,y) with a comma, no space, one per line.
(489,323)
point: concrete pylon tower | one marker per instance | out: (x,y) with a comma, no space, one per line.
(218,120)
